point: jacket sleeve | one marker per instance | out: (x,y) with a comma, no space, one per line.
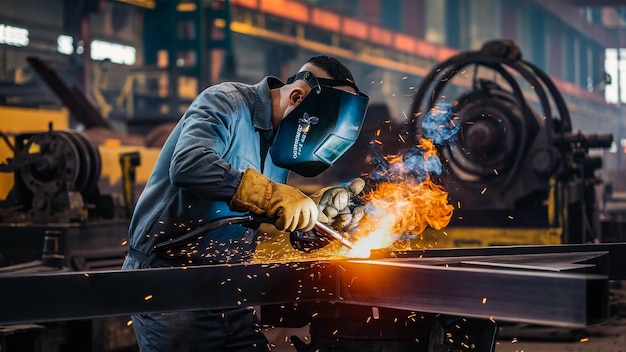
(197,162)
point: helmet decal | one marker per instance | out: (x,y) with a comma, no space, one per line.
(306,121)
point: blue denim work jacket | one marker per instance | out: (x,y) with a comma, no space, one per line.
(225,130)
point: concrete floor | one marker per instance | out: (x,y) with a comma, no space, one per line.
(523,338)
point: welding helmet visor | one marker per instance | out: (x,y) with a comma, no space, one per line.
(321,128)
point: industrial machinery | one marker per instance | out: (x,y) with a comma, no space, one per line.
(68,196)
(512,166)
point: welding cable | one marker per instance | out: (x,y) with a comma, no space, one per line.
(248,219)
(556,96)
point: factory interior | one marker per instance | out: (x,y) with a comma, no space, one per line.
(493,149)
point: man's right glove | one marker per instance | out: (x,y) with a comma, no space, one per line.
(337,206)
(291,208)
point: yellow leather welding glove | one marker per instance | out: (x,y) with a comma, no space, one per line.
(291,208)
(337,207)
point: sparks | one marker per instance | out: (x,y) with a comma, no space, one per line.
(399,208)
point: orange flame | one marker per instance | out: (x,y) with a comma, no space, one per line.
(401,208)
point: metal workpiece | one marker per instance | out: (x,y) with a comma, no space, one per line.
(81,295)
(605,258)
(567,290)
(546,298)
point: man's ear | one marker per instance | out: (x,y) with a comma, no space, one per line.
(296,96)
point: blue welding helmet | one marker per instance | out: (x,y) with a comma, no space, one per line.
(321,128)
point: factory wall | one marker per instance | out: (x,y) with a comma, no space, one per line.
(389,74)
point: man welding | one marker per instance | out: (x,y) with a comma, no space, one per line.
(229,155)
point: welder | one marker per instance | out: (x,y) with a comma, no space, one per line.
(230,154)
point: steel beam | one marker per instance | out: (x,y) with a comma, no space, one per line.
(466,287)
(82,295)
(546,298)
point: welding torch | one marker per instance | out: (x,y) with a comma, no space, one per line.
(320,229)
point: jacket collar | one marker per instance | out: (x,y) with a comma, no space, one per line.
(262,109)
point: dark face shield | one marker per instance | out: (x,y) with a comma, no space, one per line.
(319,130)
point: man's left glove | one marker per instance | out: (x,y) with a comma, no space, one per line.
(339,207)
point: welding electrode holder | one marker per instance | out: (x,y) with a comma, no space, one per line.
(308,241)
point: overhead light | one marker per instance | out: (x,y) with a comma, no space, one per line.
(149,4)
(14,36)
(186,7)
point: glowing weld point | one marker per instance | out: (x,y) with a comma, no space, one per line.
(584,339)
(484,300)
(129,323)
